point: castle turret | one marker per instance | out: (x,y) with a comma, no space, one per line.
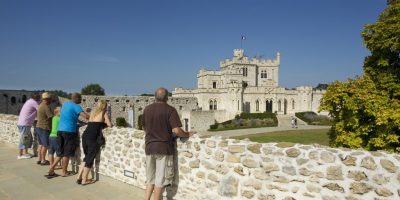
(238,53)
(278,58)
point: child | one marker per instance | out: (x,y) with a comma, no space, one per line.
(54,146)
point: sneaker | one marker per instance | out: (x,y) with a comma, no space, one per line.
(25,156)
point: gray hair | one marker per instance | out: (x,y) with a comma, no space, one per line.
(161,94)
(76,97)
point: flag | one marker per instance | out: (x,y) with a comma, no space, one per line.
(243,37)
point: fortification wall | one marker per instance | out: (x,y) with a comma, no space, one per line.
(11,101)
(218,168)
(120,105)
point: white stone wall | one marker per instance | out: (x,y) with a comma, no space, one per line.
(226,169)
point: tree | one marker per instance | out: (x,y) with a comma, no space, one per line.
(366,110)
(93,89)
(321,86)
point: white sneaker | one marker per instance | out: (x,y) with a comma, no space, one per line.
(25,156)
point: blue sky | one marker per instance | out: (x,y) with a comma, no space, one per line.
(133,47)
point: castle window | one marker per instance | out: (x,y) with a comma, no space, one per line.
(215,104)
(214,84)
(13,100)
(211,105)
(293,104)
(245,71)
(180,107)
(257,105)
(23,98)
(279,105)
(263,74)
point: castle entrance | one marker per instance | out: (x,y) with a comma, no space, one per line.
(268,106)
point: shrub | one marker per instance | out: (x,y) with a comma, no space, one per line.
(140,122)
(247,120)
(120,122)
(312,118)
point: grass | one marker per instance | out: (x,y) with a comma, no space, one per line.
(312,136)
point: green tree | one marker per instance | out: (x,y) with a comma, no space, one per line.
(321,86)
(366,110)
(93,89)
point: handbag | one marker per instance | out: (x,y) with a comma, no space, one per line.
(101,140)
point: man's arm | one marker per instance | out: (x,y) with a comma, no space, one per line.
(84,115)
(49,114)
(181,133)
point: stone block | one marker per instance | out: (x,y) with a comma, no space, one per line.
(250,163)
(293,152)
(327,157)
(357,175)
(383,192)
(388,165)
(254,148)
(236,148)
(228,186)
(360,188)
(232,158)
(368,163)
(334,187)
(349,161)
(334,173)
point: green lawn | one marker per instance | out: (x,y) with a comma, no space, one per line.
(295,136)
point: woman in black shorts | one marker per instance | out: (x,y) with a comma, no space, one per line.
(98,120)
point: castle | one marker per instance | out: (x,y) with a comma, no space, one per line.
(242,84)
(246,84)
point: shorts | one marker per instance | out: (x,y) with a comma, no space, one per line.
(159,170)
(43,136)
(25,137)
(54,146)
(68,144)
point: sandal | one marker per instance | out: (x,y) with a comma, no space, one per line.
(69,173)
(38,162)
(51,175)
(79,181)
(90,181)
(46,162)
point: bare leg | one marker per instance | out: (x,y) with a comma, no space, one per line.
(51,159)
(52,166)
(81,166)
(40,152)
(85,174)
(149,191)
(158,191)
(43,151)
(65,161)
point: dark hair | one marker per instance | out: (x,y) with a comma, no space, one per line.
(35,96)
